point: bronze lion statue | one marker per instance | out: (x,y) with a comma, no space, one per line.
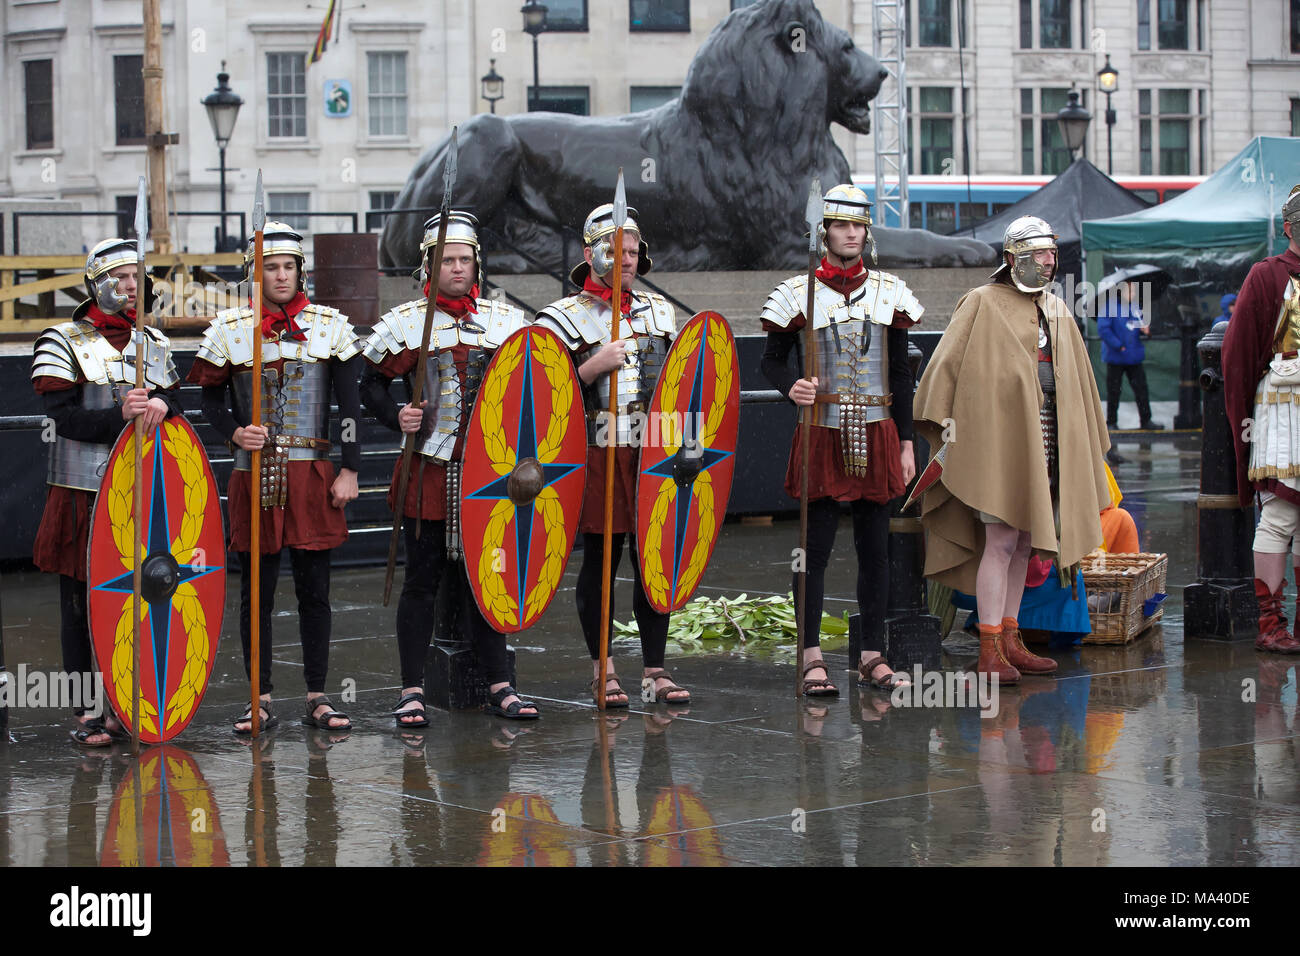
(719,175)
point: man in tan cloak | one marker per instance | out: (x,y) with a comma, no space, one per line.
(1010,396)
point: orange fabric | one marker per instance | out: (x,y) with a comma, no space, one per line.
(990,629)
(1010,624)
(1119,532)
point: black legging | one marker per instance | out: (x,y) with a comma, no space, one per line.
(426,564)
(74,631)
(652,625)
(311,582)
(1137,377)
(871,541)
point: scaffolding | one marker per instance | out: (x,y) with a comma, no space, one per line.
(889,46)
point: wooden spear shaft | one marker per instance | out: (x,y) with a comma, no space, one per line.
(255,498)
(138,500)
(611,434)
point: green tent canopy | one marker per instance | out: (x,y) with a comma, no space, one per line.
(1207,238)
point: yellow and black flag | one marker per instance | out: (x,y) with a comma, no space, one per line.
(327,30)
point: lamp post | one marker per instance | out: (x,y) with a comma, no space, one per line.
(493,85)
(1074,120)
(534,24)
(1108,83)
(223,106)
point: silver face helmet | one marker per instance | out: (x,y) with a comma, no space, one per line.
(598,235)
(462,227)
(849,203)
(1023,238)
(103,259)
(1291,211)
(278,239)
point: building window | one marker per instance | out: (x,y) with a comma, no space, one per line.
(1295,26)
(380,199)
(125,206)
(38,92)
(934,123)
(1042,145)
(648,97)
(662,16)
(128,99)
(282,206)
(566,16)
(286,95)
(387,93)
(1177,23)
(561,99)
(1295,117)
(1048,21)
(1170,135)
(934,23)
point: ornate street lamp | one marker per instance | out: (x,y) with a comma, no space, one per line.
(493,85)
(1074,120)
(1108,83)
(223,106)
(534,25)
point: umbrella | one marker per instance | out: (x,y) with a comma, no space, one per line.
(1157,278)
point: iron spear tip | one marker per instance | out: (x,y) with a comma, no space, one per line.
(814,212)
(620,201)
(449,172)
(259,204)
(141,216)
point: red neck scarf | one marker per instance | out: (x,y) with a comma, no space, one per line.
(282,316)
(104,321)
(602,291)
(459,306)
(842,280)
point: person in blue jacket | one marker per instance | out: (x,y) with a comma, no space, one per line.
(1225,307)
(1122,327)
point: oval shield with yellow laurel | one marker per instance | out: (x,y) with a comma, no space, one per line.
(177,823)
(183,578)
(522,478)
(688,456)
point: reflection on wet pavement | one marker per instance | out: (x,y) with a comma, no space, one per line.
(1154,753)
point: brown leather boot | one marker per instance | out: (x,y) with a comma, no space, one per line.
(1273,633)
(1019,656)
(992,661)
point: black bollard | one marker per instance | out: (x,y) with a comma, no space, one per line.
(1221,604)
(6,681)
(452,676)
(1189,370)
(911,632)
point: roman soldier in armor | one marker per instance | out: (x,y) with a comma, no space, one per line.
(1009,401)
(309,352)
(85,371)
(1261,379)
(860,450)
(646,329)
(466,330)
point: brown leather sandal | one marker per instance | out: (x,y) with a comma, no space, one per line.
(618,689)
(894,679)
(661,696)
(819,687)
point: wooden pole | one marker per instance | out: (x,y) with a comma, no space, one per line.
(417,386)
(255,474)
(153,124)
(611,434)
(814,220)
(137,506)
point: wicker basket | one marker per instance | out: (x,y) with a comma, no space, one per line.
(1118,585)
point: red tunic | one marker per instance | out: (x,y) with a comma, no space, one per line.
(1247,350)
(63,537)
(308,519)
(592,520)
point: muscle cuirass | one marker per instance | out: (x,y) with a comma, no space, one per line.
(1287,336)
(76,350)
(582,320)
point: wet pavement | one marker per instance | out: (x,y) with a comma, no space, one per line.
(1156,753)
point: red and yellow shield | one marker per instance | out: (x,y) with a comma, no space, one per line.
(177,823)
(183,578)
(688,457)
(522,479)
